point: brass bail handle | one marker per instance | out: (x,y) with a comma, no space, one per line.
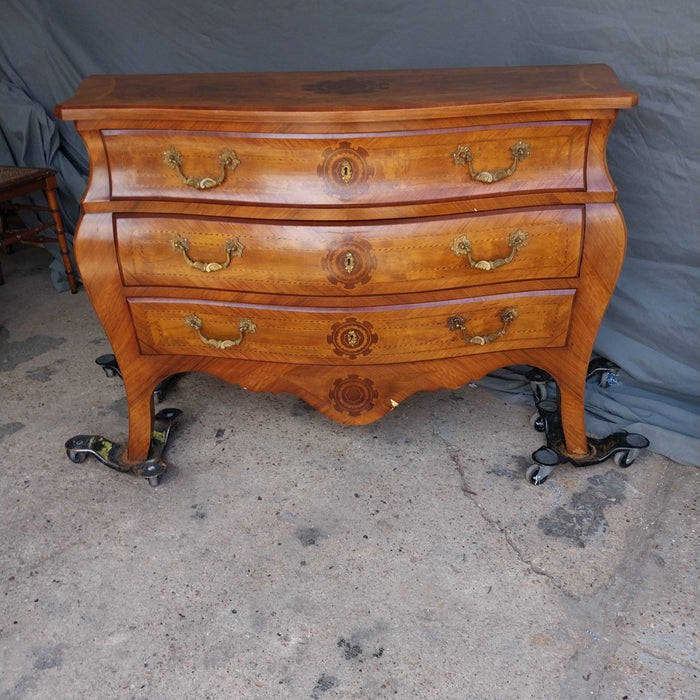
(458,323)
(233,249)
(227,160)
(245,326)
(463,156)
(516,240)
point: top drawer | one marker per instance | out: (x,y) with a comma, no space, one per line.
(386,168)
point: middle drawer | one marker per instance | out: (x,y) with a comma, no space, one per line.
(346,259)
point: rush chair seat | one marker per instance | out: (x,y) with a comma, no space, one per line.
(16,182)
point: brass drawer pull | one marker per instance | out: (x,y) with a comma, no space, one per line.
(227,159)
(245,325)
(463,156)
(457,323)
(233,249)
(516,240)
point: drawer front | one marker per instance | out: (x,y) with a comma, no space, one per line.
(310,170)
(424,255)
(360,336)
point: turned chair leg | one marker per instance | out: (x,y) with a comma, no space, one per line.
(50,187)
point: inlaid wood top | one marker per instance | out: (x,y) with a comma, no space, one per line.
(422,93)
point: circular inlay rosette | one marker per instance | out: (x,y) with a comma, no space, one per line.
(349,262)
(352,338)
(353,395)
(345,170)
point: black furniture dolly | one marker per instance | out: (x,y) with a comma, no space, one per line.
(622,446)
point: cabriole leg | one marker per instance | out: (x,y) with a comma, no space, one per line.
(562,419)
(148,436)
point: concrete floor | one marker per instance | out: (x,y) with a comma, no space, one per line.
(285,556)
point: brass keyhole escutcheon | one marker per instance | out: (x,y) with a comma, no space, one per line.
(351,338)
(346,171)
(349,262)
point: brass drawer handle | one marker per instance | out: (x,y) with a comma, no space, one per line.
(457,323)
(245,325)
(233,249)
(463,156)
(516,240)
(227,159)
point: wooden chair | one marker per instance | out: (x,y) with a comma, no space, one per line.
(16,182)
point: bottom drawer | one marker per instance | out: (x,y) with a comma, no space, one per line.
(369,335)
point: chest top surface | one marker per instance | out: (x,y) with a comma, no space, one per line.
(419,93)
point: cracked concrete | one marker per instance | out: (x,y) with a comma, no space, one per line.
(285,556)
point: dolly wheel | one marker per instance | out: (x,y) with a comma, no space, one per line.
(537,474)
(625,458)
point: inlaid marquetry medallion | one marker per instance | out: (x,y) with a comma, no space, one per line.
(352,338)
(345,170)
(349,262)
(353,395)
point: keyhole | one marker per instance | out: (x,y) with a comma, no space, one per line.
(351,338)
(346,171)
(349,262)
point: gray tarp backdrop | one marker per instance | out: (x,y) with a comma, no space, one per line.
(651,327)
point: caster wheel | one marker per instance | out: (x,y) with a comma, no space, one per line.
(537,473)
(625,458)
(76,457)
(152,470)
(537,422)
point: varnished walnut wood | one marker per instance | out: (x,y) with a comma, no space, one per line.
(361,96)
(403,167)
(408,333)
(346,201)
(309,257)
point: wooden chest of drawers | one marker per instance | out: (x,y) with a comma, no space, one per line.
(351,238)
